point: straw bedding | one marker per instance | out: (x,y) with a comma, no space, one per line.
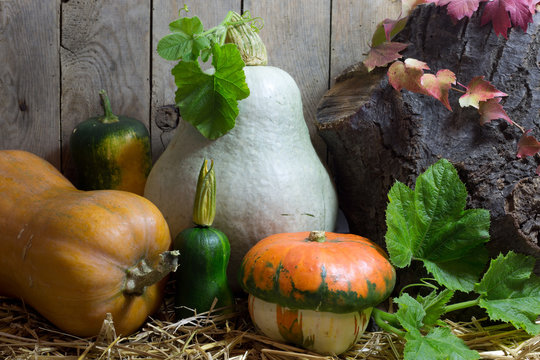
(24,334)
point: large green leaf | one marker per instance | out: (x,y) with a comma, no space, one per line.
(185,42)
(210,101)
(438,344)
(410,313)
(430,224)
(434,305)
(511,292)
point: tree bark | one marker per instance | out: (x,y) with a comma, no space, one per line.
(377,135)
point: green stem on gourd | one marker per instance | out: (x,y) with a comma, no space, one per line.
(142,275)
(383,319)
(204,208)
(109,117)
(248,41)
(317,236)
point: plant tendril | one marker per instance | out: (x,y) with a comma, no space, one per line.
(184,8)
(424,282)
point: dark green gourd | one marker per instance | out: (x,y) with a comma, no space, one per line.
(111,152)
(204,255)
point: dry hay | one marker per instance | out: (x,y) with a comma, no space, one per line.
(26,335)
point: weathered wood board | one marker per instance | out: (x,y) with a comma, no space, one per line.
(30,77)
(57,54)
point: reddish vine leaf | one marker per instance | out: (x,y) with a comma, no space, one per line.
(384,54)
(527,145)
(392,27)
(492,110)
(458,9)
(479,90)
(407,75)
(386,30)
(507,13)
(439,85)
(503,14)
(388,25)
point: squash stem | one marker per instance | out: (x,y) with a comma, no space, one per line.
(241,33)
(318,236)
(204,209)
(142,275)
(109,117)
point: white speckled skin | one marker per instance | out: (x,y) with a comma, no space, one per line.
(320,331)
(269,177)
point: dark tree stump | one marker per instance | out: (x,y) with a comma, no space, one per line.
(376,135)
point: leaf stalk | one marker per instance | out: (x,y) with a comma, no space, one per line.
(461,305)
(386,321)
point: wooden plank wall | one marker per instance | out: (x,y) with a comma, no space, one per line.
(56,55)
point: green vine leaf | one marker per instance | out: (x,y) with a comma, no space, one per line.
(511,292)
(434,305)
(199,94)
(438,344)
(185,42)
(430,224)
(410,313)
(208,101)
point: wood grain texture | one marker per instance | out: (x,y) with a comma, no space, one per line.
(296,35)
(105,45)
(29,77)
(353,24)
(49,82)
(164,114)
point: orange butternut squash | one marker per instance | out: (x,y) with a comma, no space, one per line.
(75,256)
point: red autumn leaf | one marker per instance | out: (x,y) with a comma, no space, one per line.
(458,9)
(384,54)
(507,13)
(479,90)
(407,75)
(527,145)
(393,27)
(439,85)
(503,14)
(388,26)
(386,30)
(492,110)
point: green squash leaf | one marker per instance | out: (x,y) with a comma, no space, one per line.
(430,224)
(511,292)
(187,25)
(210,101)
(400,236)
(462,273)
(438,344)
(434,305)
(185,42)
(410,313)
